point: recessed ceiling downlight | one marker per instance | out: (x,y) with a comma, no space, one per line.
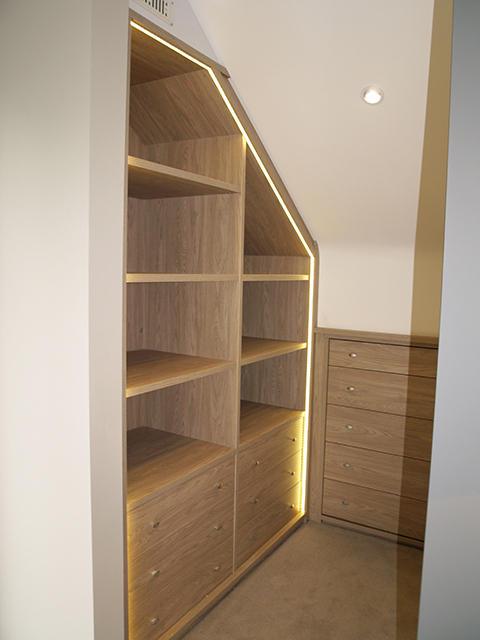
(372,95)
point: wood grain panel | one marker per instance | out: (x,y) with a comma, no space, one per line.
(264,491)
(276,310)
(428,342)
(196,319)
(381,471)
(387,392)
(276,264)
(169,236)
(384,357)
(182,107)
(149,370)
(152,518)
(259,530)
(203,409)
(257,420)
(160,611)
(382,511)
(400,435)
(277,381)
(258,459)
(267,229)
(153,571)
(149,180)
(257,349)
(222,158)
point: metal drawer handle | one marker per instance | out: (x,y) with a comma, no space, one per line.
(155,574)
(219,527)
(294,439)
(352,355)
(217,569)
(219,485)
(346,465)
(256,463)
(292,473)
(350,388)
(345,502)
(348,426)
(154,621)
(255,501)
(292,506)
(154,525)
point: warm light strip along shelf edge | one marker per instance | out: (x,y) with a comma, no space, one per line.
(292,222)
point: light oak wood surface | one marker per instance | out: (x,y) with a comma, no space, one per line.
(148,370)
(260,494)
(259,530)
(180,277)
(375,470)
(256,349)
(152,518)
(382,511)
(400,435)
(150,180)
(188,588)
(259,458)
(153,571)
(383,357)
(391,393)
(258,419)
(287,265)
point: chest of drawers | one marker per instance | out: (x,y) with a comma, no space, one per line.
(374,405)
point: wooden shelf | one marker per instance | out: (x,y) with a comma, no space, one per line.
(273,277)
(256,349)
(181,277)
(149,370)
(149,180)
(257,419)
(156,459)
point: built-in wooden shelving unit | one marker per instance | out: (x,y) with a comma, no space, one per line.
(215,421)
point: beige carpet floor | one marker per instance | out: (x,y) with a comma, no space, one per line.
(323,583)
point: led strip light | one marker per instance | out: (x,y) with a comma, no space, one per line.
(292,222)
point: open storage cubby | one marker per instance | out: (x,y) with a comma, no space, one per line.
(215,250)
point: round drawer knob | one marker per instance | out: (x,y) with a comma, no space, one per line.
(219,527)
(154,525)
(292,473)
(345,502)
(292,506)
(155,573)
(352,355)
(350,388)
(219,485)
(346,465)
(349,426)
(217,569)
(256,463)
(255,501)
(294,439)
(154,620)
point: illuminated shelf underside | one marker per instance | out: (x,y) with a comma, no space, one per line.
(257,349)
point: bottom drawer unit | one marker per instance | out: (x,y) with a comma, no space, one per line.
(155,570)
(376,509)
(259,530)
(161,611)
(259,495)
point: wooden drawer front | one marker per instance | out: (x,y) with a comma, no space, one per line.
(261,493)
(414,361)
(381,471)
(400,435)
(259,458)
(386,392)
(175,507)
(153,571)
(259,530)
(376,509)
(163,609)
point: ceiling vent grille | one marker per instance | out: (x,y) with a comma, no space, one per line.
(161,8)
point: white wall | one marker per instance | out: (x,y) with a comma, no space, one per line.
(55,120)
(451,577)
(354,170)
